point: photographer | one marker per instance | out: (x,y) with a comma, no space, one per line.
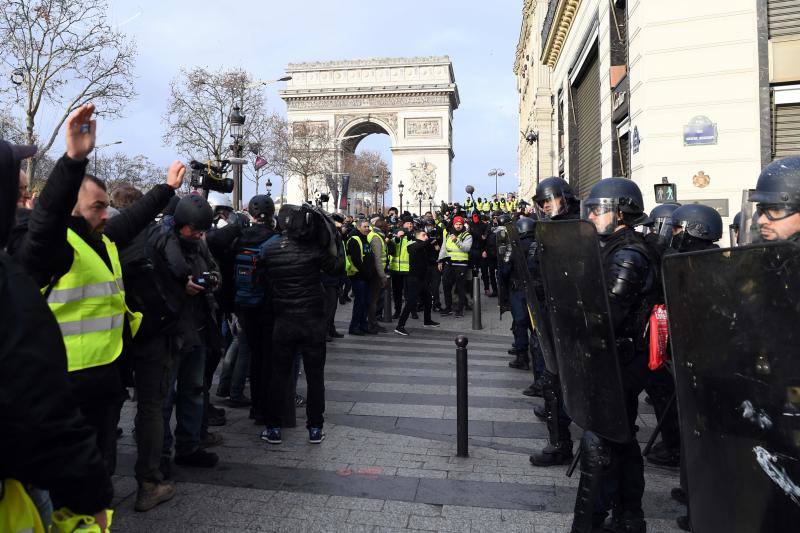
(294,265)
(193,269)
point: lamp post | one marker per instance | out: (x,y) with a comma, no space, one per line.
(236,121)
(430,203)
(375,181)
(400,188)
(420,196)
(497,173)
(97,149)
(407,206)
(268,187)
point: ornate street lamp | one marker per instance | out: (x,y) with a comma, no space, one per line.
(375,181)
(268,187)
(400,188)
(420,196)
(236,122)
(430,203)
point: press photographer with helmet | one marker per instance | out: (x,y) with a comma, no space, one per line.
(194,270)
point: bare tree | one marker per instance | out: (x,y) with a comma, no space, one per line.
(305,150)
(261,141)
(138,171)
(277,151)
(199,106)
(63,54)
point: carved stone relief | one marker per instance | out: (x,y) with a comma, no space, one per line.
(349,102)
(423,127)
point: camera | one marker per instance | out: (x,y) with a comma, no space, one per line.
(207,280)
(211,177)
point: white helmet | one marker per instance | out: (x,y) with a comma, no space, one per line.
(217,201)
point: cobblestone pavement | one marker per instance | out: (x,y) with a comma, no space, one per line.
(388,462)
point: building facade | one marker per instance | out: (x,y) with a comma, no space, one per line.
(703,94)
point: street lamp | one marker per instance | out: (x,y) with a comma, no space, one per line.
(497,173)
(261,83)
(236,122)
(430,203)
(407,206)
(375,181)
(400,188)
(268,187)
(420,196)
(97,149)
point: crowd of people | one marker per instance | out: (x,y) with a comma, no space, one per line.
(106,291)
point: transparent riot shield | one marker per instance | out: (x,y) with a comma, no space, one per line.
(748,227)
(577,302)
(540,322)
(734,317)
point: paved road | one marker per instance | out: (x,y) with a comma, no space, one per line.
(388,462)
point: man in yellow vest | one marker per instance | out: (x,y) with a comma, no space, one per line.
(454,265)
(398,262)
(377,242)
(45,440)
(80,273)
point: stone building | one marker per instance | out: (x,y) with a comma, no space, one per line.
(702,93)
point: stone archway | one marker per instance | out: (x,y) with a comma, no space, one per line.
(409,99)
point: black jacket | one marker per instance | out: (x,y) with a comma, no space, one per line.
(294,270)
(197,325)
(44,439)
(419,255)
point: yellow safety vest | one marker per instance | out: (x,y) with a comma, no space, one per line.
(503,206)
(89,305)
(453,250)
(18,513)
(399,261)
(384,252)
(349,267)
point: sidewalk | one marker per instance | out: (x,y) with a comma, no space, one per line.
(388,462)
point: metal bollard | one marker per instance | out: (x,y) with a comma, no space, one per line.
(387,300)
(462,406)
(476,301)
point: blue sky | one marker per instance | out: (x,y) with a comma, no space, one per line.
(263,37)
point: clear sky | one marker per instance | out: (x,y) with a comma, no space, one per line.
(263,37)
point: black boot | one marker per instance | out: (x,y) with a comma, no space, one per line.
(521,362)
(560,454)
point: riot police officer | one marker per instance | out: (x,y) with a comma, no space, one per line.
(777,199)
(521,325)
(660,226)
(615,206)
(554,200)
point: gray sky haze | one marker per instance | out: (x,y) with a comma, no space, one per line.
(263,37)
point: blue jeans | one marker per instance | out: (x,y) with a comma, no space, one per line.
(360,305)
(188,401)
(235,366)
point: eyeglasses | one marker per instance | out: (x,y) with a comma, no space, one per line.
(776,211)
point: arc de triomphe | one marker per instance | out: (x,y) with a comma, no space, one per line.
(409,99)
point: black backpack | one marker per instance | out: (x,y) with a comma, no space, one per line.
(149,286)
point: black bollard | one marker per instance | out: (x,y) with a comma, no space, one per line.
(462,423)
(476,301)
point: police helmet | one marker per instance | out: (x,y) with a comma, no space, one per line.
(261,207)
(779,183)
(504,219)
(193,210)
(699,221)
(525,227)
(611,195)
(219,201)
(551,188)
(661,214)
